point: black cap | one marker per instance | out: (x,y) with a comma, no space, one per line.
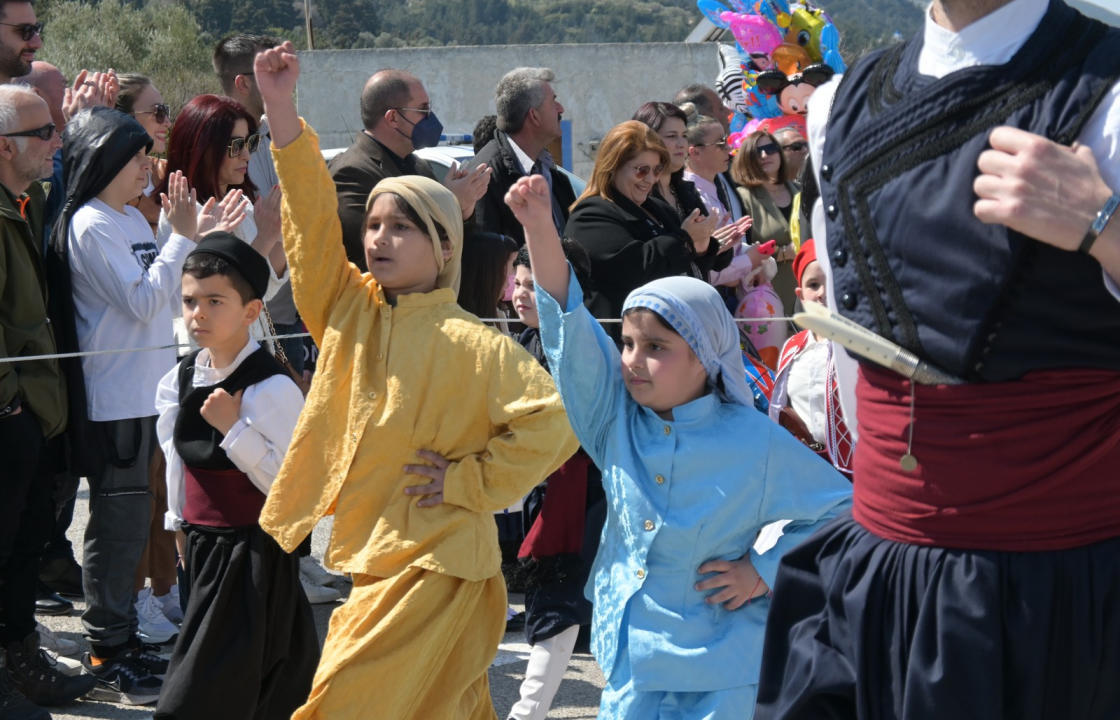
(250,263)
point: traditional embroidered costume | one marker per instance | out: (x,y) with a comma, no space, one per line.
(977,576)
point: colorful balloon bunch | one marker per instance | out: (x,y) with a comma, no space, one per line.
(782,54)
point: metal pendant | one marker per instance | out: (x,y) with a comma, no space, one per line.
(908,462)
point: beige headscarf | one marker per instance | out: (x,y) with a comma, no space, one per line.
(435,204)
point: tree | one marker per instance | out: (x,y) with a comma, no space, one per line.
(161,40)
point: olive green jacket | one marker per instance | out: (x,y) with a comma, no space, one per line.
(25,328)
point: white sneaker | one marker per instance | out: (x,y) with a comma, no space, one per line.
(170,606)
(154,628)
(55,643)
(319,594)
(314,573)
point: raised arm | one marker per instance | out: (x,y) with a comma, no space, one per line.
(531,203)
(584,361)
(320,273)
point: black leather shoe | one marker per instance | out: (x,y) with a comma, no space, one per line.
(48,602)
(62,575)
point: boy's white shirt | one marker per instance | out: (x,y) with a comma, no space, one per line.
(256,443)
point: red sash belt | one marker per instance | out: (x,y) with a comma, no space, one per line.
(220,498)
(1027,465)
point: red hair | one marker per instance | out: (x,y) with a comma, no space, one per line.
(198,142)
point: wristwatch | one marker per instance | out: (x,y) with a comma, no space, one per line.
(1099,223)
(9,408)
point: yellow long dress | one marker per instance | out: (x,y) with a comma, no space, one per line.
(427,609)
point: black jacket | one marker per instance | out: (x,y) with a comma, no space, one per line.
(355,171)
(628,248)
(491,213)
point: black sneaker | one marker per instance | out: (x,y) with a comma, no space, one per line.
(122,679)
(13,704)
(148,656)
(37,676)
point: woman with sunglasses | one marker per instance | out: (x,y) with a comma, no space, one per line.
(709,157)
(210,143)
(140,98)
(632,236)
(767,191)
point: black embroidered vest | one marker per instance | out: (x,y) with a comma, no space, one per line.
(910,260)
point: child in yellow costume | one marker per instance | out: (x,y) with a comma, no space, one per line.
(421,422)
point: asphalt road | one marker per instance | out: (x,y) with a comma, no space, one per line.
(578,696)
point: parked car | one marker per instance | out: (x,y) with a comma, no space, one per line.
(440,158)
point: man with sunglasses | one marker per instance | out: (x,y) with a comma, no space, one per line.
(397,119)
(21,35)
(33,408)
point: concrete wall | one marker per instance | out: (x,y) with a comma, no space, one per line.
(598,85)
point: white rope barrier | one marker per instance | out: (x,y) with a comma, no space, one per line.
(176,346)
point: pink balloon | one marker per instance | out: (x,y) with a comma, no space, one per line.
(753,33)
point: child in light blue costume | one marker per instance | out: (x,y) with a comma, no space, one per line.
(691,472)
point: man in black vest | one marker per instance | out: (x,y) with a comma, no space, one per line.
(969,184)
(528,121)
(398,119)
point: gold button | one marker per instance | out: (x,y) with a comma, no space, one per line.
(660,479)
(380,356)
(372,395)
(648,525)
(641,574)
(668,430)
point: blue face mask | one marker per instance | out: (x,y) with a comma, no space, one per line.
(426,132)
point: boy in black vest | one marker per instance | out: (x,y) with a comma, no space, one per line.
(247,647)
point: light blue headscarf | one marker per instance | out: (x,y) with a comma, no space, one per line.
(697,313)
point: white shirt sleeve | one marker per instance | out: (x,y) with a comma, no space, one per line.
(259,440)
(1102,135)
(167,406)
(113,273)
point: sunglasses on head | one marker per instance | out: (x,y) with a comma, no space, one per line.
(237,144)
(796,146)
(43,133)
(27,30)
(768,149)
(159,112)
(641,171)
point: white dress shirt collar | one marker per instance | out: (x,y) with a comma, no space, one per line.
(992,40)
(205,375)
(522,157)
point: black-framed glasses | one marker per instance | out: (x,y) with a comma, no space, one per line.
(768,149)
(641,171)
(796,146)
(27,30)
(43,133)
(427,111)
(237,144)
(159,112)
(721,144)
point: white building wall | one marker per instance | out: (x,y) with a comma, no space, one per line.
(598,85)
